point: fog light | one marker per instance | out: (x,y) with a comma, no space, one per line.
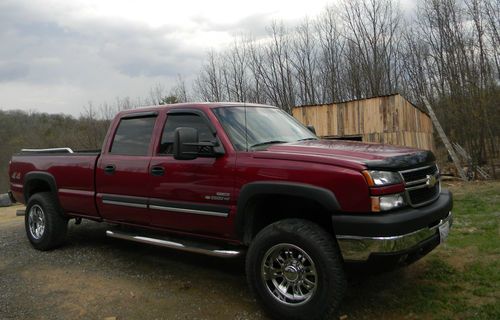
(392,201)
(389,202)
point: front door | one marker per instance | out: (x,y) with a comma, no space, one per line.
(191,196)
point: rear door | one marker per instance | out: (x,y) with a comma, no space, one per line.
(122,173)
(192,196)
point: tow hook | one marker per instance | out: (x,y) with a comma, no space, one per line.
(78,221)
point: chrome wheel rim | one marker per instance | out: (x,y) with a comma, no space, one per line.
(289,274)
(36,221)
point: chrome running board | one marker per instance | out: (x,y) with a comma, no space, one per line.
(189,246)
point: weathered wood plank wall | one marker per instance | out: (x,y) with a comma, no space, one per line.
(388,119)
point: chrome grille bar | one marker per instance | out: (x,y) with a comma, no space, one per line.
(426,177)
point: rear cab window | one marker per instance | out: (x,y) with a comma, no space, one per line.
(133,136)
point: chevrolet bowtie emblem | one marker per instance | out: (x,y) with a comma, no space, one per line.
(431,181)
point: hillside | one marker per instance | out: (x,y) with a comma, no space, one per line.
(21,129)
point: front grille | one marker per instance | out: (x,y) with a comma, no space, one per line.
(419,174)
(422,185)
(423,194)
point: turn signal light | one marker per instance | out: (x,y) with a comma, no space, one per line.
(375,204)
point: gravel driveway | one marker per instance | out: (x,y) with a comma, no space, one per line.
(94,277)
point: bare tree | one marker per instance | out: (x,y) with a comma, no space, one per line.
(332,46)
(259,82)
(278,71)
(180,90)
(157,93)
(373,37)
(304,62)
(209,84)
(236,71)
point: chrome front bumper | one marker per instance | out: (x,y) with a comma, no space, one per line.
(356,248)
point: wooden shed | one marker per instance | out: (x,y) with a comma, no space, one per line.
(387,119)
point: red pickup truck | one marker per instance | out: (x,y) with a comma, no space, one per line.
(226,179)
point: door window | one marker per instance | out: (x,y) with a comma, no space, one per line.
(175,121)
(133,136)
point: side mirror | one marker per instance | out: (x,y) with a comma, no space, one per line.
(185,141)
(311,128)
(188,147)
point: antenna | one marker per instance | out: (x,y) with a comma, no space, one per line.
(246,128)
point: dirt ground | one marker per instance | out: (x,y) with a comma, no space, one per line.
(94,277)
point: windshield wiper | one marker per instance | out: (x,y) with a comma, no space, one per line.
(267,142)
(306,139)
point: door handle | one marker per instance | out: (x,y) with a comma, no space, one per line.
(157,171)
(109,169)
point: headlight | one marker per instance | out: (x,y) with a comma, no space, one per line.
(388,202)
(381,178)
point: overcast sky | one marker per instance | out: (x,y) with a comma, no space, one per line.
(56,55)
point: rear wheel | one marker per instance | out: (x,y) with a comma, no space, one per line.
(45,225)
(295,270)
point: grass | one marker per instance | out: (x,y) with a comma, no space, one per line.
(458,280)
(465,272)
(473,255)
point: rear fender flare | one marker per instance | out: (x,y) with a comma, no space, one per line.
(39,176)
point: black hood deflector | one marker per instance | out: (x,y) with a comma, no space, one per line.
(402,162)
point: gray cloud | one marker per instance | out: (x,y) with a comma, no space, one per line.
(10,71)
(55,52)
(142,52)
(254,24)
(56,56)
(98,58)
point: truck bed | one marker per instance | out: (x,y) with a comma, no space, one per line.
(74,173)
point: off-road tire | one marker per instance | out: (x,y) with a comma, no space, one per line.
(55,223)
(321,247)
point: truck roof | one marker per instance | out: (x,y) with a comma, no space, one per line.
(193,105)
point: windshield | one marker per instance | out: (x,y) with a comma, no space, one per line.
(265,126)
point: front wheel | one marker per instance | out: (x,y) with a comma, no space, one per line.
(46,227)
(295,270)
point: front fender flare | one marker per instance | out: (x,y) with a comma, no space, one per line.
(244,219)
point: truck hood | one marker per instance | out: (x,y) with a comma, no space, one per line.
(352,154)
